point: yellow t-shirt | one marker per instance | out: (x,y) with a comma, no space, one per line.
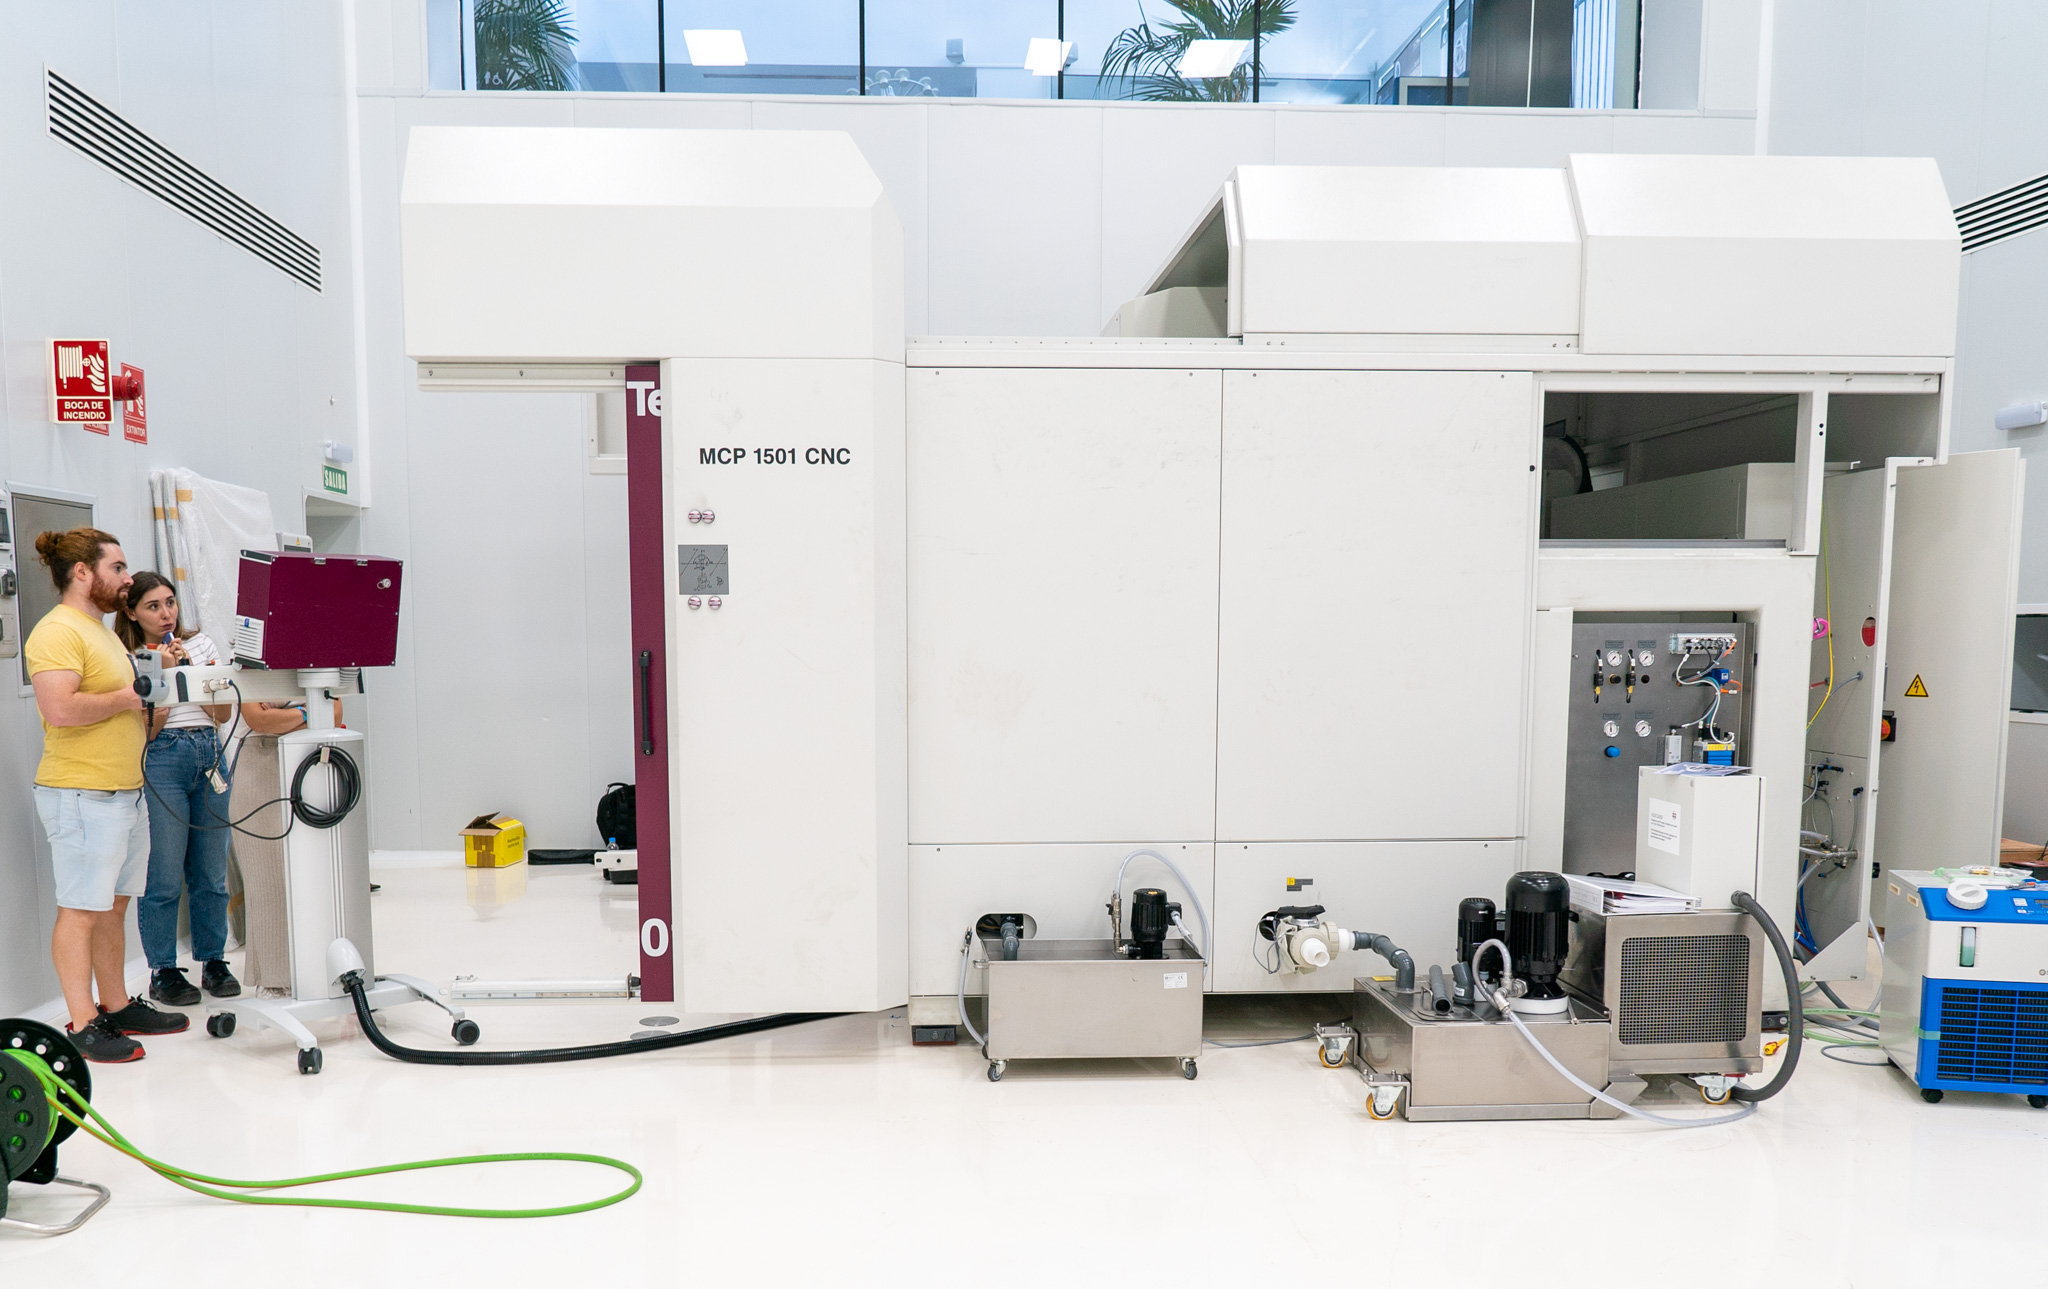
(106,756)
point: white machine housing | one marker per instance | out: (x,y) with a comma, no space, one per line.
(1698,834)
(1272,601)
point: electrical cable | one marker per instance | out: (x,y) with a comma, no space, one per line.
(63,1098)
(353,982)
(1836,999)
(1828,603)
(1830,1050)
(346,774)
(347,779)
(1266,1042)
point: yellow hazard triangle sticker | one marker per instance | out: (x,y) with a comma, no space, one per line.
(1916,689)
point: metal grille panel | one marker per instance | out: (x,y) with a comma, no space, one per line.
(1993,1036)
(83,122)
(1684,989)
(2005,213)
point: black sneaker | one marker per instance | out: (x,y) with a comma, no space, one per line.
(217,980)
(139,1017)
(101,1040)
(168,985)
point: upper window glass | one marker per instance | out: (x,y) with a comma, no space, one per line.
(1588,54)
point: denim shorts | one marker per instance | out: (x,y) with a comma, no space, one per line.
(99,844)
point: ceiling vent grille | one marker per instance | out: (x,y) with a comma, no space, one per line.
(80,120)
(2003,214)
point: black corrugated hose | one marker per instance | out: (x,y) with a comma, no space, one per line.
(1795,1010)
(353,982)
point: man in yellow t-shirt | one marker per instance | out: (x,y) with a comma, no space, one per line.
(88,791)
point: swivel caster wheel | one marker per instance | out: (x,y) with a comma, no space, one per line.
(309,1060)
(1932,1096)
(220,1024)
(996,1070)
(2037,1102)
(466,1032)
(1187,1067)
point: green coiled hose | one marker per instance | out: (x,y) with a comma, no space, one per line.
(66,1105)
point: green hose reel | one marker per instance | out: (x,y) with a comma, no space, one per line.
(30,1127)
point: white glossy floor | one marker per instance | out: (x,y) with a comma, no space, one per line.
(837,1154)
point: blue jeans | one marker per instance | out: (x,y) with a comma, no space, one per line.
(184,858)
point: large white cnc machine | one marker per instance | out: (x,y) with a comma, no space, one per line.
(1273,600)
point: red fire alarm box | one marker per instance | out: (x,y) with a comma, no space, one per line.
(298,609)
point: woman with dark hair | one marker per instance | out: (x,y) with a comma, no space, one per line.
(186,784)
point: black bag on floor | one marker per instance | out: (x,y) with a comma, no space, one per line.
(615,816)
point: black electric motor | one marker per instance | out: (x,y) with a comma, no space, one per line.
(1478,922)
(1151,918)
(1539,930)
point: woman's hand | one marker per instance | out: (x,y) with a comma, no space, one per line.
(174,653)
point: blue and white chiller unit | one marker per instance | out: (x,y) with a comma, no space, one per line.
(1965,999)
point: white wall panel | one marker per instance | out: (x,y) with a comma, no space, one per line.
(1406,890)
(1063,530)
(1344,618)
(1016,220)
(1495,137)
(1349,136)
(1730,34)
(1683,132)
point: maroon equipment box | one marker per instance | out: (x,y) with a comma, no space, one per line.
(295,609)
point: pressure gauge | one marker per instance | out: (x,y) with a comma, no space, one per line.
(1611,728)
(1614,657)
(1642,729)
(1648,659)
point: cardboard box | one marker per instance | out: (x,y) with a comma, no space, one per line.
(493,841)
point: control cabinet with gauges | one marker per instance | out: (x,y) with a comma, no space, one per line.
(1644,693)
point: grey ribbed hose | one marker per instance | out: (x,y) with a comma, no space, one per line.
(1399,958)
(961,998)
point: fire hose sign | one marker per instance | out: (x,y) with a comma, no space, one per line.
(81,391)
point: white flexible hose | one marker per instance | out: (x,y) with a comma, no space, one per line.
(1669,1121)
(962,996)
(1201,914)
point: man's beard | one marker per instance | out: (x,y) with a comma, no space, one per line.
(106,596)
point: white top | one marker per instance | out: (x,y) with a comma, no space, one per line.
(190,716)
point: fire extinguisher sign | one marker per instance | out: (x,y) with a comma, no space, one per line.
(81,388)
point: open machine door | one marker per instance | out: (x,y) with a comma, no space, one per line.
(1948,654)
(1838,818)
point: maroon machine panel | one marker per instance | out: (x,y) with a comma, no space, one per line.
(647,578)
(294,609)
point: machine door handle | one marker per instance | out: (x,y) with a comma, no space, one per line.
(647,702)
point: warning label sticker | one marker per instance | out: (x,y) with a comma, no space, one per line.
(1917,689)
(1663,828)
